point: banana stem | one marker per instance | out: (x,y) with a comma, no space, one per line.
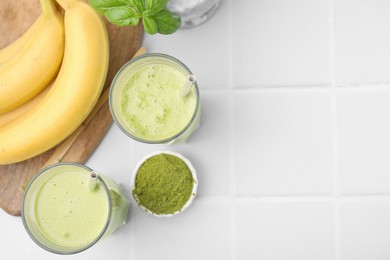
(48,7)
(66,4)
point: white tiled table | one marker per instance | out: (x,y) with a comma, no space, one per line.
(293,153)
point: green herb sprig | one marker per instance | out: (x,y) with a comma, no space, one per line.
(153,13)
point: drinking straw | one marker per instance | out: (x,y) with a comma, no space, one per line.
(187,86)
(93,180)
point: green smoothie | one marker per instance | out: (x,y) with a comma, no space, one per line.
(68,212)
(64,213)
(146,101)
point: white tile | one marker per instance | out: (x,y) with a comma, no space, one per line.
(285,230)
(283,142)
(365,230)
(36,252)
(13,238)
(362,40)
(201,232)
(280,42)
(204,49)
(364,140)
(208,148)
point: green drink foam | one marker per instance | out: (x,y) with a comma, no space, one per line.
(150,103)
(68,212)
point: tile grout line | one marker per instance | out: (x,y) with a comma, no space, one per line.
(233,191)
(296,198)
(335,172)
(233,218)
(282,87)
(313,87)
(230,46)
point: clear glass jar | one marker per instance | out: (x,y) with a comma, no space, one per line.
(35,199)
(130,70)
(193,12)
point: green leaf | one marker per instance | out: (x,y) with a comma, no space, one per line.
(137,4)
(167,22)
(122,16)
(152,7)
(155,18)
(150,25)
(104,5)
(150,3)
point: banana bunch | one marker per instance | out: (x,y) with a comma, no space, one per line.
(66,57)
(35,59)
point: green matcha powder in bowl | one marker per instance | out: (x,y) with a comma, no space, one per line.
(164,183)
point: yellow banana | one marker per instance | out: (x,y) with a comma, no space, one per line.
(23,109)
(73,94)
(14,48)
(24,75)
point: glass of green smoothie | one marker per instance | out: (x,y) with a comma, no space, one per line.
(67,208)
(147,101)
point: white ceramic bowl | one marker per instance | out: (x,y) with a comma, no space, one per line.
(194,187)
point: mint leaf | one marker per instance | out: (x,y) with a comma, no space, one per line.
(150,25)
(122,16)
(167,22)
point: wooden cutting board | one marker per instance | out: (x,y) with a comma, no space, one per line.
(15,18)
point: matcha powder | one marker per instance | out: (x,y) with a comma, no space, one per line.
(163,184)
